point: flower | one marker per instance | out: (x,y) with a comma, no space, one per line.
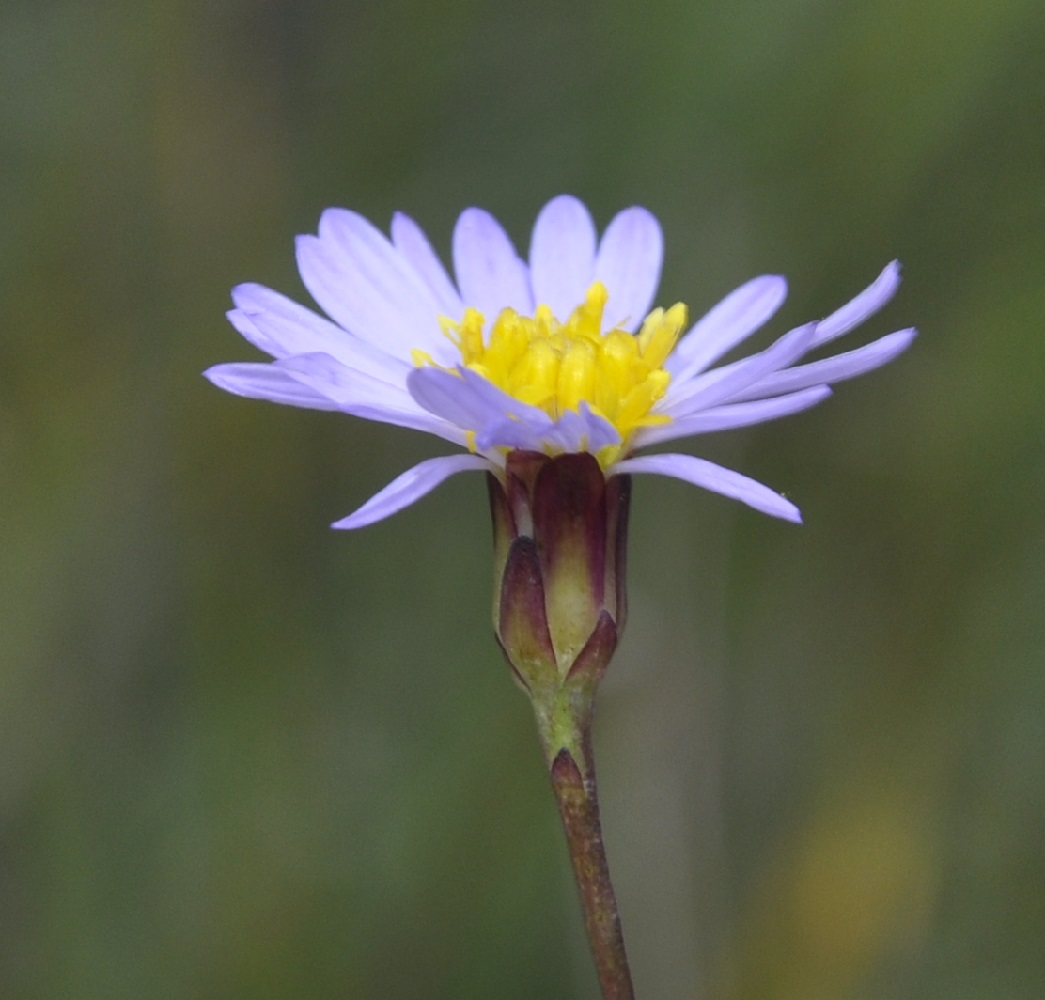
(556,356)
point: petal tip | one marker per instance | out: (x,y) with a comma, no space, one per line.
(244,291)
(563,200)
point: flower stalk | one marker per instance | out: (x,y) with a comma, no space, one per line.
(567,750)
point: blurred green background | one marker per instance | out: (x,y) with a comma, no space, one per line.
(243,756)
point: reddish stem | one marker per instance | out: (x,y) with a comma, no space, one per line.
(578,801)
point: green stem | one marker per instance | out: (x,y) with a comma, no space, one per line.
(567,747)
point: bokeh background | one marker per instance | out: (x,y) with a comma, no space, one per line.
(243,756)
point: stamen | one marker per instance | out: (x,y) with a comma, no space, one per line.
(556,365)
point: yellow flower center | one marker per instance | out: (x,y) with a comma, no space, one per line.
(557,365)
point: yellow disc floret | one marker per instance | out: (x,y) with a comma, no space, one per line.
(556,365)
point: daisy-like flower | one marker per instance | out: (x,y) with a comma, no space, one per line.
(550,375)
(557,355)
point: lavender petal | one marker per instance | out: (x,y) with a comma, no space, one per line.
(409,239)
(265,381)
(837,368)
(727,324)
(467,400)
(864,305)
(490,274)
(562,255)
(628,264)
(733,415)
(410,487)
(713,477)
(721,385)
(363,396)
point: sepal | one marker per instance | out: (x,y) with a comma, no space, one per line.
(560,536)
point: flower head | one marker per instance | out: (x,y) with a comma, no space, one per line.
(554,356)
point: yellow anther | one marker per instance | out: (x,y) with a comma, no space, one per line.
(558,365)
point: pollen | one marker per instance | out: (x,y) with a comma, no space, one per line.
(558,365)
